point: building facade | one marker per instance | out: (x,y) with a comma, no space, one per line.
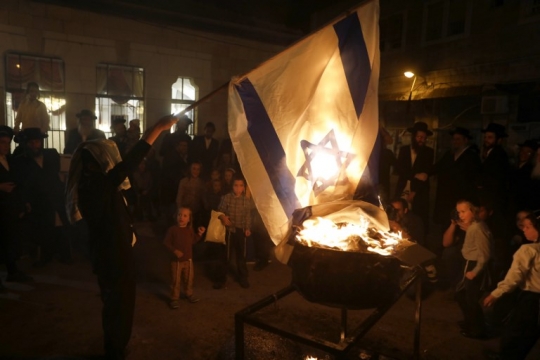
(474,62)
(116,66)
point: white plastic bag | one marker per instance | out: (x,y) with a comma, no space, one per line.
(216,230)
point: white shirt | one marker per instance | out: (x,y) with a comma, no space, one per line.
(524,272)
(32,114)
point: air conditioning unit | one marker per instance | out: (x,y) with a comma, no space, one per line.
(494,104)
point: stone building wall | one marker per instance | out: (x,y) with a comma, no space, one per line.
(84,39)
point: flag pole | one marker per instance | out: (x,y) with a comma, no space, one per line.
(203,99)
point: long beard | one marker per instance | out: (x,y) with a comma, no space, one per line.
(415,146)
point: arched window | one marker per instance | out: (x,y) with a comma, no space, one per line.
(184,93)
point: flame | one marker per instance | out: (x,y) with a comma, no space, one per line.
(347,236)
(309,357)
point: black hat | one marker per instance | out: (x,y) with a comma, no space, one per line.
(533,144)
(6,131)
(86,112)
(498,129)
(461,131)
(186,119)
(420,126)
(30,134)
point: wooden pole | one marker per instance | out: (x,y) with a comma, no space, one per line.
(203,99)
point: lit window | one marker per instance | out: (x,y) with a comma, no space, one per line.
(48,73)
(184,93)
(120,94)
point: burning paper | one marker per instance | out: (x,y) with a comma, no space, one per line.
(361,236)
(352,226)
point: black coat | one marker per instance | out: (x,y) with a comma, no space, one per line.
(521,187)
(74,139)
(494,179)
(406,171)
(11,204)
(207,156)
(109,223)
(456,179)
(42,187)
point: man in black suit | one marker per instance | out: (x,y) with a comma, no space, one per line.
(38,172)
(457,171)
(205,148)
(494,177)
(85,131)
(412,166)
(12,209)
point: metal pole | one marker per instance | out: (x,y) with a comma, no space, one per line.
(410,95)
(343,324)
(418,318)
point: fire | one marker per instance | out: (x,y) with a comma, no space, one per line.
(348,236)
(310,358)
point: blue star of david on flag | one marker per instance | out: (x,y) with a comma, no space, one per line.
(334,161)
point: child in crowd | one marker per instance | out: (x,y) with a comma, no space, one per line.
(522,331)
(237,218)
(228,175)
(179,240)
(476,252)
(191,193)
(214,175)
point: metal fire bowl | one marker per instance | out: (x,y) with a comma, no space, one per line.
(343,279)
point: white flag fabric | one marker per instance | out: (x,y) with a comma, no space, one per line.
(304,124)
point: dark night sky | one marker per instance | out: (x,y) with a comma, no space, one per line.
(288,16)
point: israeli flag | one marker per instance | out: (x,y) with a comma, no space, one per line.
(304,124)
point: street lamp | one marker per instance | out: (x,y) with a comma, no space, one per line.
(410,74)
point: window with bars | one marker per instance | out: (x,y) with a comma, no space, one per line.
(119,93)
(48,73)
(184,94)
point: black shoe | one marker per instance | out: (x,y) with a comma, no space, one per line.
(473,335)
(2,288)
(462,325)
(19,277)
(244,284)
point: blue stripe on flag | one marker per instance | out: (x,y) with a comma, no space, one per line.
(268,146)
(367,186)
(355,59)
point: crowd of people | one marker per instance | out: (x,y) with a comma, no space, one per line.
(484,204)
(484,254)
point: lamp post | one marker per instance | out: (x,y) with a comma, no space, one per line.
(410,74)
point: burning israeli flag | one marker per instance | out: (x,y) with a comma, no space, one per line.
(304,124)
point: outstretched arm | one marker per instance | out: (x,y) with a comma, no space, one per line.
(163,124)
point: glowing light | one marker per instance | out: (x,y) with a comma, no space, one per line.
(309,357)
(18,66)
(359,236)
(324,166)
(408,74)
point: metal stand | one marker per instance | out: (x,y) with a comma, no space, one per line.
(339,350)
